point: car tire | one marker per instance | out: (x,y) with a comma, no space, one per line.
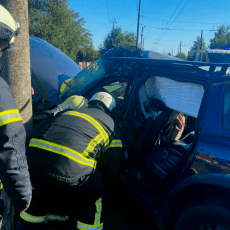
(206,215)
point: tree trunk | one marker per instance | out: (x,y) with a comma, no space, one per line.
(16,62)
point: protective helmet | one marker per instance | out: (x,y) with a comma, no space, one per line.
(73,102)
(9,28)
(105,98)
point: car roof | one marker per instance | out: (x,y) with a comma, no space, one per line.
(114,64)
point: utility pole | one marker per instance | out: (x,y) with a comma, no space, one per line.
(138,23)
(201,40)
(142,35)
(114,21)
(143,43)
(16,62)
(180,48)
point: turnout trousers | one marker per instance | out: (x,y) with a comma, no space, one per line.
(67,206)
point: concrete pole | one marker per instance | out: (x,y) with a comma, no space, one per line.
(16,62)
(138,23)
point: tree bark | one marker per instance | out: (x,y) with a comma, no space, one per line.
(16,62)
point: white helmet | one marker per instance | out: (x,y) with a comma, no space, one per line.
(9,28)
(106,98)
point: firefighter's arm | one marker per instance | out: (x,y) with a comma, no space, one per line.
(13,164)
(110,160)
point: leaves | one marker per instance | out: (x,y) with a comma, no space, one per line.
(117,39)
(54,22)
(221,37)
(197,44)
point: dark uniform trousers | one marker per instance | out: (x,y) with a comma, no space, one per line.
(56,155)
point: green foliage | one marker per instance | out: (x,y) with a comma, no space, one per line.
(117,39)
(54,22)
(221,37)
(197,44)
(196,47)
(182,56)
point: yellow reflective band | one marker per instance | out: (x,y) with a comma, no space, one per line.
(56,217)
(83,226)
(93,122)
(62,150)
(115,143)
(94,142)
(98,213)
(9,116)
(32,219)
(1,186)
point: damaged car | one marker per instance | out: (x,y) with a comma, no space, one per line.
(174,117)
(51,70)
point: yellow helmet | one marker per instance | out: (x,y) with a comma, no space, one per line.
(9,28)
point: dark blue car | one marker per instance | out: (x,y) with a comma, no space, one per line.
(174,117)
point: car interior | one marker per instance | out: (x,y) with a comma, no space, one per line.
(158,155)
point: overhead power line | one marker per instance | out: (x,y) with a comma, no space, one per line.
(175,18)
(211,23)
(170,29)
(174,12)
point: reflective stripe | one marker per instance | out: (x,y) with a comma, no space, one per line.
(92,144)
(9,116)
(98,213)
(93,122)
(56,217)
(115,143)
(62,150)
(1,187)
(83,226)
(33,219)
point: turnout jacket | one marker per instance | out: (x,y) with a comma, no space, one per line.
(68,146)
(13,164)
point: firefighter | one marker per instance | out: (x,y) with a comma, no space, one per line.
(62,159)
(14,173)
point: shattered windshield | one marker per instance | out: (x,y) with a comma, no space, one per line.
(87,76)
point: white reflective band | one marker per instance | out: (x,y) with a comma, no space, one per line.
(33,219)
(115,143)
(93,122)
(9,116)
(62,150)
(59,218)
(98,213)
(89,227)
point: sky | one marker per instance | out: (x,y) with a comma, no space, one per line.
(166,23)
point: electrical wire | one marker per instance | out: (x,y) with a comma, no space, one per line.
(175,18)
(183,21)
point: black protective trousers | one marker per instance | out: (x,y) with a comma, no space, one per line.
(64,206)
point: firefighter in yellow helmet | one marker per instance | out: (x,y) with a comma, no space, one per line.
(62,159)
(14,173)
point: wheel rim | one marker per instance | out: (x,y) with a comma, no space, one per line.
(212,226)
